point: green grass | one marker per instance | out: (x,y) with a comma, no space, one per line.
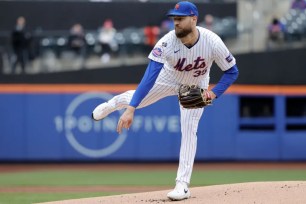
(137,178)
(85,178)
(21,198)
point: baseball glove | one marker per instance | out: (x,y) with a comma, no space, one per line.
(192,97)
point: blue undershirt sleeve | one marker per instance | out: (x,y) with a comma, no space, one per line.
(229,76)
(147,82)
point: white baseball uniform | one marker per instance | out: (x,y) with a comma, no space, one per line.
(183,65)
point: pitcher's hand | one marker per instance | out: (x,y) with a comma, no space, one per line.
(126,119)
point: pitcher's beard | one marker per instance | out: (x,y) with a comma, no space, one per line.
(182,32)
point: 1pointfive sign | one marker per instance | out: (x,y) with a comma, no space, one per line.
(79,128)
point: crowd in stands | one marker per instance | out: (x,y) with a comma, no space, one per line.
(289,28)
(107,42)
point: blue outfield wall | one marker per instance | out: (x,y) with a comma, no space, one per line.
(58,127)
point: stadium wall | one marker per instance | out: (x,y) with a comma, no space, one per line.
(53,123)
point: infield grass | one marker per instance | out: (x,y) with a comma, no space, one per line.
(20,198)
(85,178)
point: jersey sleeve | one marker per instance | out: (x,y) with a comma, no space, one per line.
(229,76)
(222,56)
(160,50)
(147,82)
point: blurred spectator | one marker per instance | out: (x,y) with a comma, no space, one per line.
(151,33)
(298,4)
(208,22)
(20,40)
(276,32)
(225,27)
(166,26)
(77,43)
(76,39)
(106,38)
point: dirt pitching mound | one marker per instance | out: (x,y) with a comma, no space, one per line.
(293,192)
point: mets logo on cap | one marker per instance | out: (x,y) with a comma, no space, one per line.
(157,52)
(183,8)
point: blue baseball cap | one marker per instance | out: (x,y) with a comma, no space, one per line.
(184,8)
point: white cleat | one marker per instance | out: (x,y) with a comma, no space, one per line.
(102,110)
(180,192)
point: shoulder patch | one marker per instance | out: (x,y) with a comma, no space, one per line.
(157,52)
(229,58)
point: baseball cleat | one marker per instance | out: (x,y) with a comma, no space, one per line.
(102,110)
(180,192)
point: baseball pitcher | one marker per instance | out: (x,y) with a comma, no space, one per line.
(179,66)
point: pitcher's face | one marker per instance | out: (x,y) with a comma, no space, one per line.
(184,25)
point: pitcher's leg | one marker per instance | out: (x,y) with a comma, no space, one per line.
(116,103)
(189,126)
(123,100)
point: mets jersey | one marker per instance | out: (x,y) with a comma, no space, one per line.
(183,65)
